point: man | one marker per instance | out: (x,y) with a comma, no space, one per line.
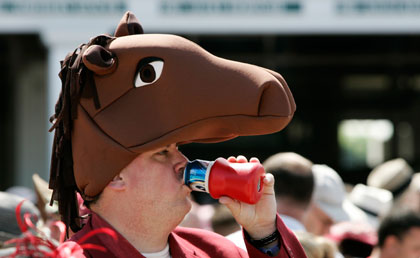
(294,186)
(127,102)
(294,183)
(399,236)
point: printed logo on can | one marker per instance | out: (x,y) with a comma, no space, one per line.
(198,186)
(195,175)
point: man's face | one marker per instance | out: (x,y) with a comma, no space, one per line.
(407,247)
(317,221)
(154,184)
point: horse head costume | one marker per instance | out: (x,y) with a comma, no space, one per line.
(132,92)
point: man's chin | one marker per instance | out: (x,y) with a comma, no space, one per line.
(188,206)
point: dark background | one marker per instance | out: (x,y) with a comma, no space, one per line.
(316,68)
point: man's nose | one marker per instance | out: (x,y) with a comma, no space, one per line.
(180,160)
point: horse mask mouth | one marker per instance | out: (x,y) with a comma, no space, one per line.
(152,90)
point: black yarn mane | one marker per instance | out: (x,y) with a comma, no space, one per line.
(76,82)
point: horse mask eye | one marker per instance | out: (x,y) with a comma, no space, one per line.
(149,70)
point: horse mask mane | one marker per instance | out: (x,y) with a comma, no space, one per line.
(135,92)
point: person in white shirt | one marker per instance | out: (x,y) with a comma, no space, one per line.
(294,184)
(294,187)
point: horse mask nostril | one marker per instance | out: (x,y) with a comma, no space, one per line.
(269,98)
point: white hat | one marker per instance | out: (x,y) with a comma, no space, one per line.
(393,175)
(330,196)
(375,202)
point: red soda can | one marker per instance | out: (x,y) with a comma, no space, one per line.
(240,181)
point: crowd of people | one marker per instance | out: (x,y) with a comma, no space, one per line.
(334,219)
(379,219)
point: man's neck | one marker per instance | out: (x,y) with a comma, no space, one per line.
(291,210)
(145,239)
(145,236)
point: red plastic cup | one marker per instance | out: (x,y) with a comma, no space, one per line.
(240,181)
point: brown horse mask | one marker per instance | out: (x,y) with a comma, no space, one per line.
(131,93)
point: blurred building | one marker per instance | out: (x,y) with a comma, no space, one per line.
(352,65)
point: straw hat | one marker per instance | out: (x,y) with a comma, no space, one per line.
(375,202)
(44,196)
(394,175)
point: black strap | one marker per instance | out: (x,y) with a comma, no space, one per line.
(258,243)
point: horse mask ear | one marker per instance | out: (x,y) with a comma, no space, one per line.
(129,25)
(101,61)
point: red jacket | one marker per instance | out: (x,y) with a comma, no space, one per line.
(185,242)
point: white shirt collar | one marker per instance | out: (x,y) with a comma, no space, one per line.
(161,254)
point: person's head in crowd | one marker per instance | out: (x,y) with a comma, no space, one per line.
(330,204)
(393,175)
(398,177)
(353,239)
(410,198)
(375,202)
(399,236)
(316,246)
(294,183)
(9,227)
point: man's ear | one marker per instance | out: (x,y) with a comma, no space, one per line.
(117,183)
